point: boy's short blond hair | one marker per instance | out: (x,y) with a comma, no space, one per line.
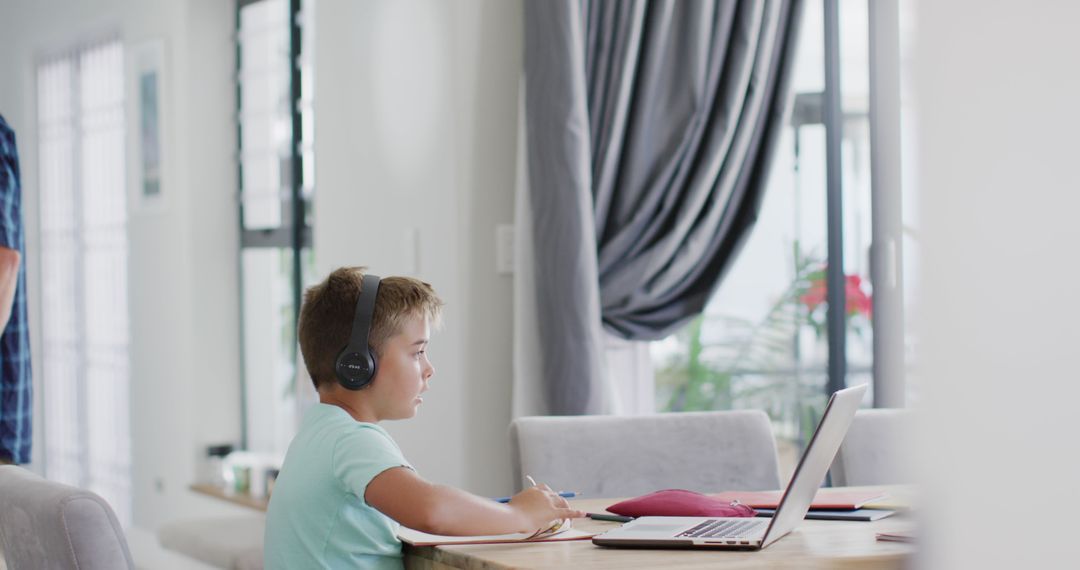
(326,317)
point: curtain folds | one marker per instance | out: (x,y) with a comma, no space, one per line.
(649,128)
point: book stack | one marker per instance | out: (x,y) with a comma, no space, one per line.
(829,504)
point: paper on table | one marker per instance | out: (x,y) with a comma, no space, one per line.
(559,532)
(899,499)
(896,536)
(889,503)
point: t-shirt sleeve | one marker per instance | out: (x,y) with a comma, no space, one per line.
(362,454)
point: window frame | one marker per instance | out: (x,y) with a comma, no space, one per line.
(296,233)
(886,253)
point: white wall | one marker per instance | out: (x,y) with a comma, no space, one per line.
(415,135)
(416,131)
(999,113)
(183,277)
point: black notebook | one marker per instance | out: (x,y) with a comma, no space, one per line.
(831,515)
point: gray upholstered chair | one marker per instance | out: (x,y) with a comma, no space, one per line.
(873,450)
(44,524)
(617,456)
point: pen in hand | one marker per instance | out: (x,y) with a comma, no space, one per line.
(532,482)
(563,494)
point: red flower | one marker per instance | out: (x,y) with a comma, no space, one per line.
(857,299)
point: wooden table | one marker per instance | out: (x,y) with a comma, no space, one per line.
(815,544)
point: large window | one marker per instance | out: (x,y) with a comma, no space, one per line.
(84,327)
(276,179)
(764,340)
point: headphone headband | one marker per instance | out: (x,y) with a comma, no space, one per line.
(355,365)
(365,310)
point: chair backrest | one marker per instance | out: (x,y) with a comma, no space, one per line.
(873,451)
(625,456)
(48,525)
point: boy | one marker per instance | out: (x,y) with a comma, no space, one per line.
(345,486)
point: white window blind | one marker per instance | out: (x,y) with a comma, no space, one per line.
(84,272)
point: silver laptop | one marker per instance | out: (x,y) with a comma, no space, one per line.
(751,533)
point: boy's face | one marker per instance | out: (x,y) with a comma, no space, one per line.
(403,372)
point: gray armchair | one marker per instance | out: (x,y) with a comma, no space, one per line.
(873,451)
(47,525)
(615,456)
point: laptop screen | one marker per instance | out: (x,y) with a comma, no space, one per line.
(815,462)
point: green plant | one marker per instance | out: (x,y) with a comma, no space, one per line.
(699,377)
(755,364)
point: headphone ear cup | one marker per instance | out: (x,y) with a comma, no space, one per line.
(354,370)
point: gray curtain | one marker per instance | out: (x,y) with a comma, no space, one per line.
(650,127)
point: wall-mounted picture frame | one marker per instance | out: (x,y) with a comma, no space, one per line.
(147,132)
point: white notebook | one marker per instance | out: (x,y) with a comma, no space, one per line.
(558,533)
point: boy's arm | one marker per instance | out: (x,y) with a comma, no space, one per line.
(404,496)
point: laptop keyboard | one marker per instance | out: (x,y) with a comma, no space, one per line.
(724,529)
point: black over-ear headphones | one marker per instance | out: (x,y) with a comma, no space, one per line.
(355,365)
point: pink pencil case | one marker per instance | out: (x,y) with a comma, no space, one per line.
(679,503)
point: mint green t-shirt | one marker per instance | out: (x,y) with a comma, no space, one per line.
(317,516)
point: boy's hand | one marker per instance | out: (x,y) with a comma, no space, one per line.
(404,496)
(539,506)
